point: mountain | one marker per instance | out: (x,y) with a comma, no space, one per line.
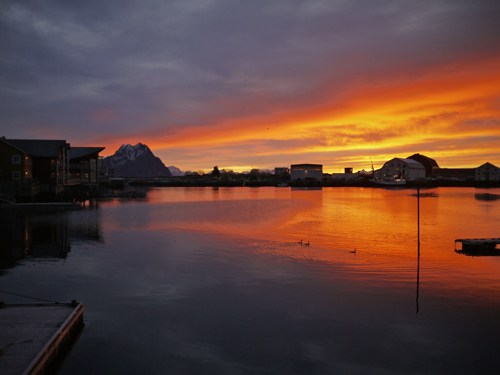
(135,161)
(175,171)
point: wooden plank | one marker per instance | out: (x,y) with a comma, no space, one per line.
(34,337)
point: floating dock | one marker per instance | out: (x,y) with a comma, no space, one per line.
(36,338)
(481,244)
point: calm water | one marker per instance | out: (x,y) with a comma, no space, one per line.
(215,281)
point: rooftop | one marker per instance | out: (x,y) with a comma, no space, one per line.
(41,148)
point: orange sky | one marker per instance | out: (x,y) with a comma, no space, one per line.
(258,84)
(450,113)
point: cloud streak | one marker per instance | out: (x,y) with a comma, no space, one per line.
(208,83)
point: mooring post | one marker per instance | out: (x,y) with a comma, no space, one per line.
(418,218)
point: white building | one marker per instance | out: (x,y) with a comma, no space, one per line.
(487,172)
(306,171)
(407,169)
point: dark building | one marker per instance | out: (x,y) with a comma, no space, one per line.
(431,166)
(85,165)
(487,172)
(47,165)
(457,173)
(304,171)
(16,172)
(50,161)
(15,163)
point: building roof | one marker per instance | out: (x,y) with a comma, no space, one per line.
(307,165)
(487,164)
(424,160)
(410,163)
(80,152)
(11,145)
(41,148)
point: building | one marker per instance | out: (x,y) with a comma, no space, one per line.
(16,171)
(431,166)
(456,173)
(15,163)
(487,172)
(85,165)
(49,159)
(278,171)
(407,169)
(304,171)
(46,164)
(347,175)
(365,174)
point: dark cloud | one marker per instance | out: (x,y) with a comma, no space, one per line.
(162,64)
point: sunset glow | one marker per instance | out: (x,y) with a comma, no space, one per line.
(449,113)
(306,97)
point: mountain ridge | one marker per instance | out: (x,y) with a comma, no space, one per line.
(135,161)
(176,172)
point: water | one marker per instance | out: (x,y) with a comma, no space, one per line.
(215,281)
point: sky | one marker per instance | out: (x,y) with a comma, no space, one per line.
(257,84)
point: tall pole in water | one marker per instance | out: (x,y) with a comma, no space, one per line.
(418,241)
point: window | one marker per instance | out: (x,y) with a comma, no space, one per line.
(16,175)
(16,159)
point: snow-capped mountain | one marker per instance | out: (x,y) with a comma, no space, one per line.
(175,171)
(135,161)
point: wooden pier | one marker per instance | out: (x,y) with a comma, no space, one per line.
(480,244)
(36,338)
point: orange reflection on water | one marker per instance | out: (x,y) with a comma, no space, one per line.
(372,234)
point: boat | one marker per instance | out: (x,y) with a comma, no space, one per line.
(388,182)
(282,184)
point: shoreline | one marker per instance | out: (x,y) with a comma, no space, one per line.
(312,183)
(74,200)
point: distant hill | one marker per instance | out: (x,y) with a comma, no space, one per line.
(135,161)
(175,171)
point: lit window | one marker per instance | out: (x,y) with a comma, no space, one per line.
(16,159)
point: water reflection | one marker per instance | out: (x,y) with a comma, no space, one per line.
(487,197)
(480,252)
(296,188)
(45,236)
(216,281)
(418,241)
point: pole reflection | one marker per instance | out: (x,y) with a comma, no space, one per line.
(418,243)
